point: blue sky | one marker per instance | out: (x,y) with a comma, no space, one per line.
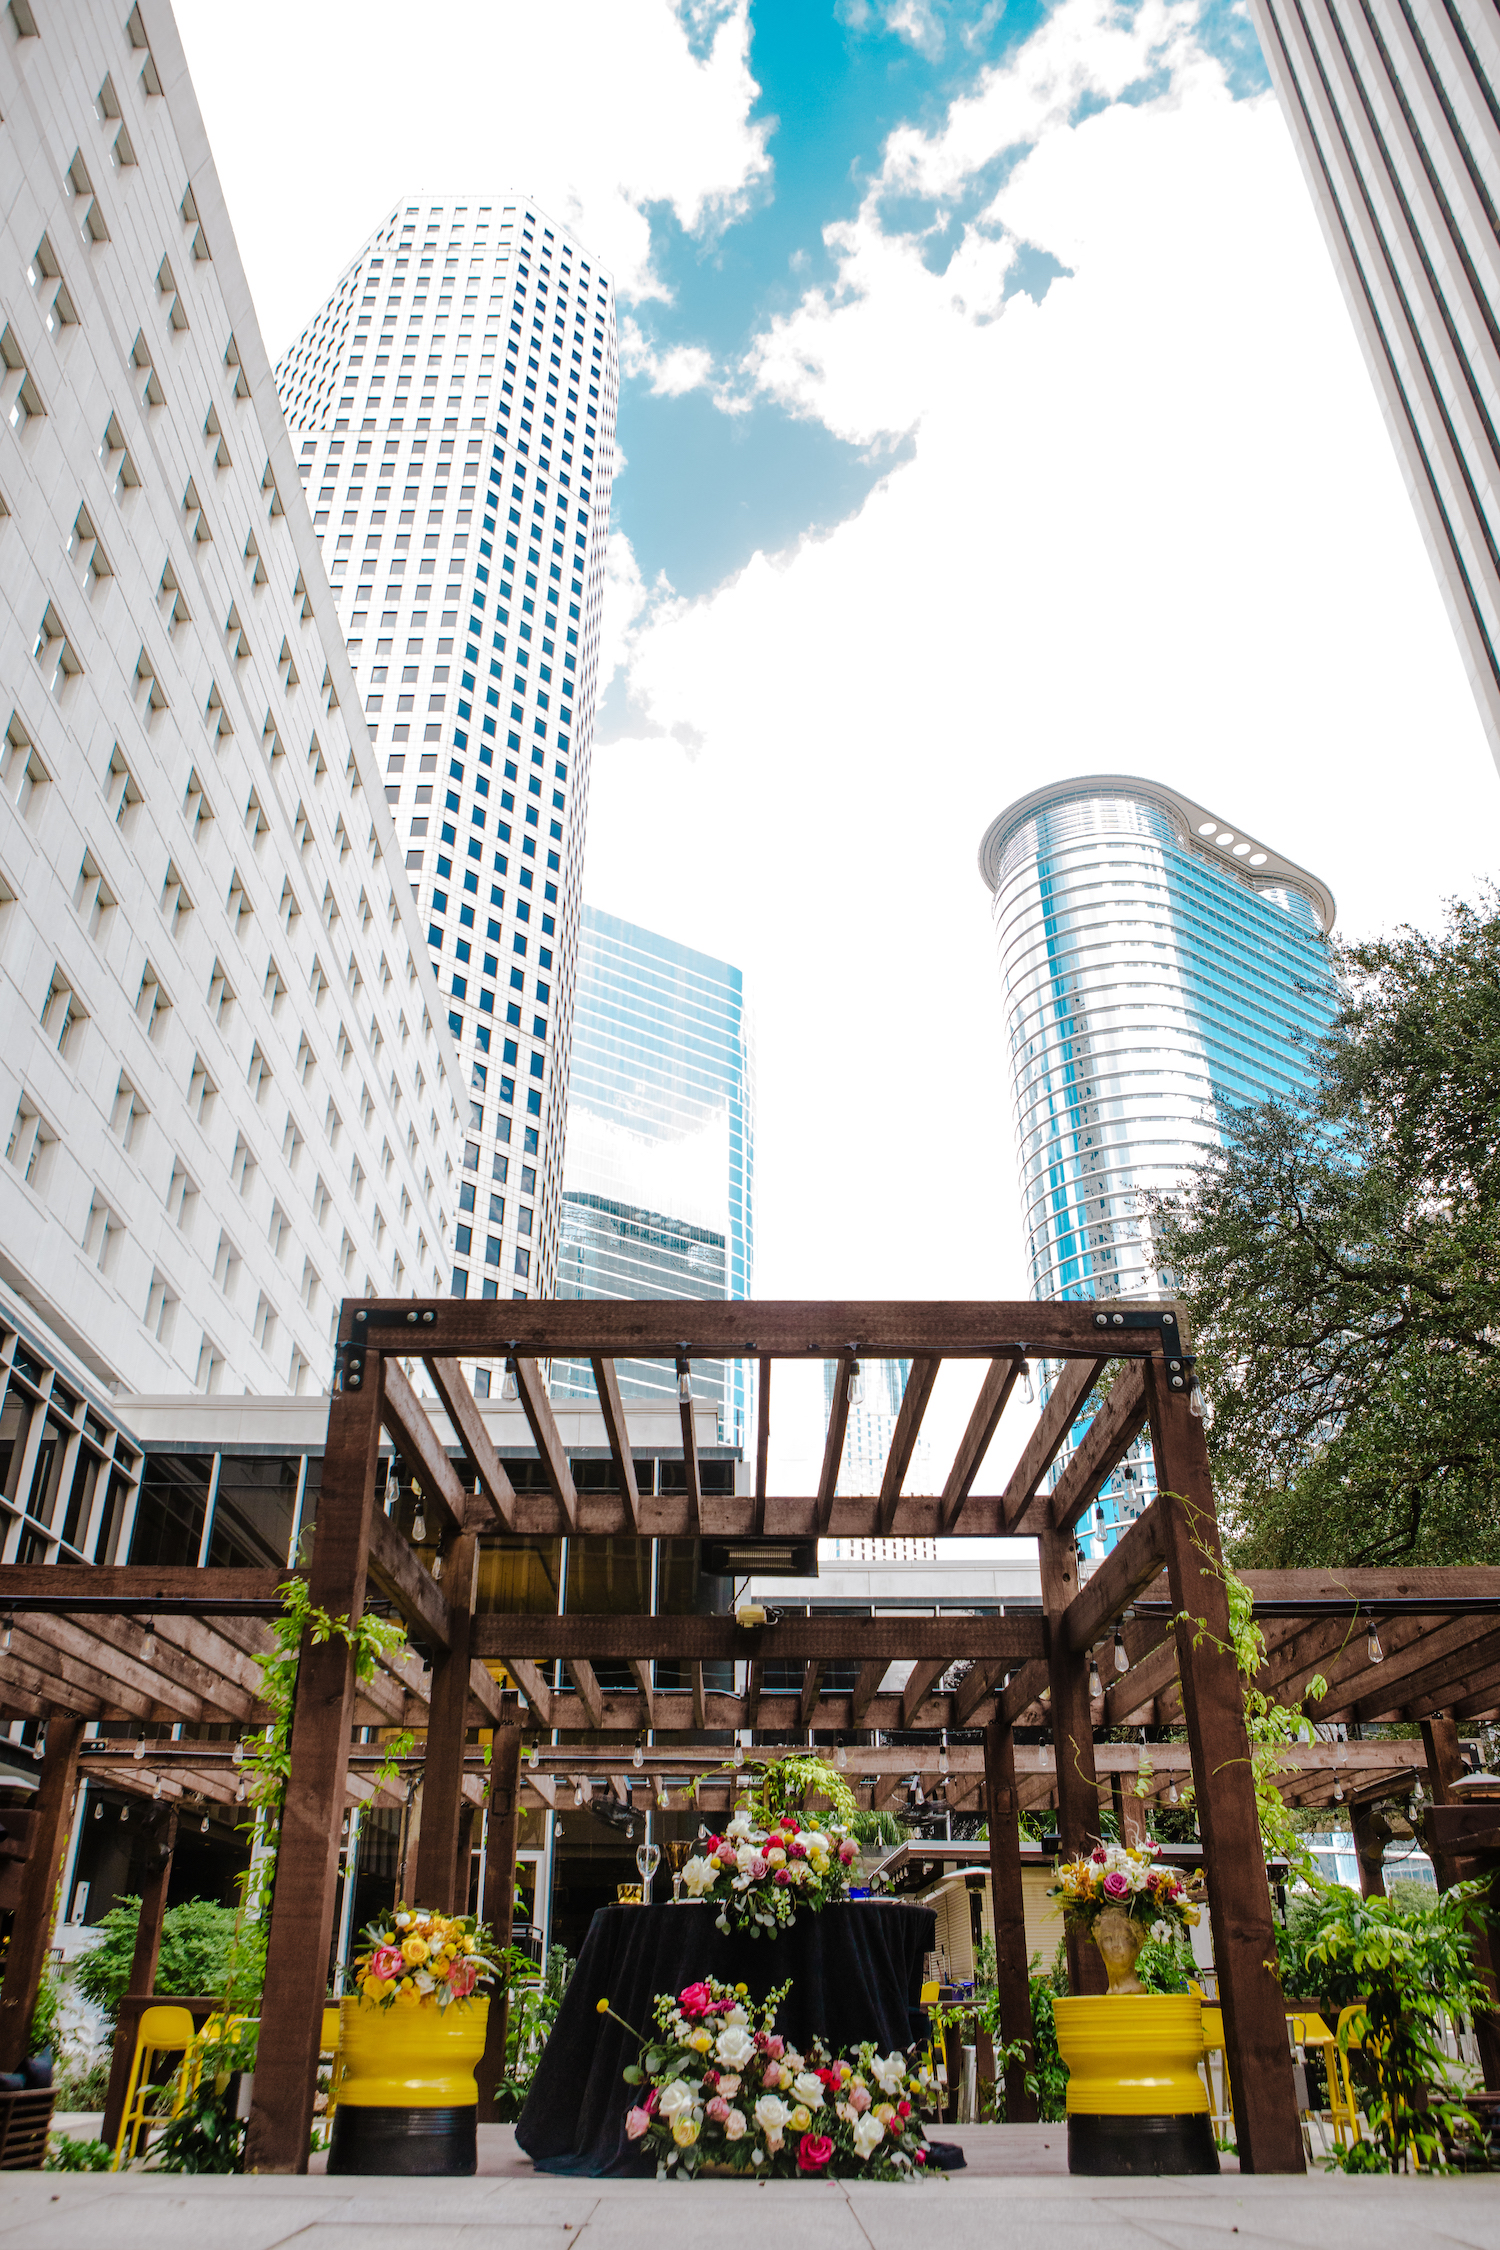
(834,80)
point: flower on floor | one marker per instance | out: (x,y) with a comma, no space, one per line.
(417,1957)
(769,2112)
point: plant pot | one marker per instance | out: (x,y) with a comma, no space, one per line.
(408,2103)
(1136,2104)
(1119,1938)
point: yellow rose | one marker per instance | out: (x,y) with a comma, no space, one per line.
(685,2130)
(415,1950)
(407,1995)
(885,2111)
(800,2118)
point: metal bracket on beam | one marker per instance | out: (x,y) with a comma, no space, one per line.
(1179,1360)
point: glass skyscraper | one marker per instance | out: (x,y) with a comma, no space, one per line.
(1161,969)
(659,1166)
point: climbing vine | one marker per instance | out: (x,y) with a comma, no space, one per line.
(769,1790)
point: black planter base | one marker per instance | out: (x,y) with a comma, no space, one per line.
(1141,2147)
(405,2143)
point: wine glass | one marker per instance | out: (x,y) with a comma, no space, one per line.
(647,1860)
(678,1852)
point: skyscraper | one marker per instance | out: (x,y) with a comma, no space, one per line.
(453,410)
(1395,109)
(658,1185)
(226,1083)
(1160,969)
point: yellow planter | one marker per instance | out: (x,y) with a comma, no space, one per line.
(1136,2103)
(408,2102)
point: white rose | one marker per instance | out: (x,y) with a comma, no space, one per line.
(890,2070)
(868,2133)
(734,2125)
(735,2046)
(698,1876)
(736,2014)
(675,2101)
(771,2114)
(739,1826)
(729,2084)
(810,2087)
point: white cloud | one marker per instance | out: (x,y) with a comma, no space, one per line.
(599,109)
(686,367)
(1154,524)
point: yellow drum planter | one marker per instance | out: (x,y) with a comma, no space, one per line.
(407,2099)
(1136,2103)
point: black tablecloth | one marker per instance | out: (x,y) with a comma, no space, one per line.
(856,1974)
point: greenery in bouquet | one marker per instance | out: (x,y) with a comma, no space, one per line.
(770,1862)
(416,1957)
(1125,1876)
(720,2088)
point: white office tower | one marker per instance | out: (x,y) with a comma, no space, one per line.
(453,409)
(226,1085)
(1395,109)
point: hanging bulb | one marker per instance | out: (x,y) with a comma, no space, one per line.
(392,1484)
(139,1751)
(1373,1649)
(637,1757)
(1172,1794)
(419,1525)
(437,1564)
(630,1830)
(1195,1400)
(663,1796)
(239,1753)
(1028,1388)
(508,1387)
(856,1383)
(685,1387)
(843,1756)
(124,1812)
(203,1826)
(156,1792)
(578,1792)
(239,1795)
(739,1756)
(1417,1794)
(1122,1661)
(536,1756)
(1096,1685)
(98,1812)
(148,1642)
(943,1759)
(7,1634)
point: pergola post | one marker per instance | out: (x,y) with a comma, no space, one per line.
(497,1907)
(307,1866)
(1369,1851)
(1073,1740)
(437,1878)
(1445,1765)
(31,1932)
(1002,1807)
(1130,1812)
(1267,2126)
(142,1970)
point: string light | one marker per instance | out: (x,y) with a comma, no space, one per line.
(239,1753)
(1338,1792)
(7,1634)
(685,1386)
(437,1564)
(1195,1400)
(638,1757)
(239,1795)
(856,1383)
(124,1812)
(536,1756)
(98,1812)
(1122,1661)
(148,1641)
(509,1390)
(1096,1685)
(843,1756)
(203,1826)
(1172,1794)
(1373,1649)
(1028,1388)
(739,1756)
(419,1520)
(140,1747)
(578,1792)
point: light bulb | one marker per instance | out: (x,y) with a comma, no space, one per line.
(508,1387)
(148,1642)
(98,1812)
(685,1387)
(1028,1388)
(124,1812)
(139,1751)
(843,1755)
(917,1796)
(239,1753)
(739,1755)
(239,1795)
(1195,1400)
(1172,1794)
(1122,1661)
(203,1826)
(1096,1685)
(1338,1792)
(578,1792)
(630,1830)
(7,1634)
(536,1757)
(663,1796)
(637,1757)
(943,1759)
(856,1383)
(1416,1795)
(156,1792)
(419,1525)
(437,1564)
(1373,1649)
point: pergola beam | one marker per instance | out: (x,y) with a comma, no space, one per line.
(833,1443)
(1074,1382)
(415,1439)
(462,1410)
(611,1407)
(547,1436)
(919,1382)
(1109,1436)
(1001,1377)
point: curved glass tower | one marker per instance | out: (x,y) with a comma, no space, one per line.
(1161,969)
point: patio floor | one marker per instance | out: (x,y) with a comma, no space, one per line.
(509,2207)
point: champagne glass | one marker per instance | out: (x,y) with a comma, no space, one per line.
(647,1860)
(678,1852)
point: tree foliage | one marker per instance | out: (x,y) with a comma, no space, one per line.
(196,1941)
(1341,1258)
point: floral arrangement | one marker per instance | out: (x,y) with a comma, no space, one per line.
(418,1958)
(758,1877)
(1126,1876)
(721,2088)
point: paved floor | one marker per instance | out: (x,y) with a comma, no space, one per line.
(509,2207)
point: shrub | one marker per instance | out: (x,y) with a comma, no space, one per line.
(195,1952)
(69,2152)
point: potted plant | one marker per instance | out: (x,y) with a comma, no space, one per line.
(409,2038)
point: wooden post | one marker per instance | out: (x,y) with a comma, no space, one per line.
(307,1866)
(1002,1807)
(1445,1765)
(142,1969)
(1369,1850)
(437,1879)
(31,1931)
(1073,1741)
(497,1907)
(1130,1812)
(1267,2125)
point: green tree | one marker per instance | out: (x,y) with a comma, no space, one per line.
(1340,1255)
(196,1939)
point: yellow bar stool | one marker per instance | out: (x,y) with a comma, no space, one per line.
(1220,2092)
(329,2044)
(1342,2102)
(161,2031)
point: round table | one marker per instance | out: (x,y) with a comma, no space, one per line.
(856,1972)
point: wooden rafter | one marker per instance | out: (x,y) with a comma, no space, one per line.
(463,1413)
(611,1407)
(919,1383)
(544,1430)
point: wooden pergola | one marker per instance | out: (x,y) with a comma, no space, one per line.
(152,1645)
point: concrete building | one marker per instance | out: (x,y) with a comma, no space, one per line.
(1395,109)
(658,1186)
(452,406)
(227,1086)
(1161,969)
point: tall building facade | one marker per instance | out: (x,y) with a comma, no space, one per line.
(452,407)
(658,1189)
(227,1087)
(1395,109)
(1161,969)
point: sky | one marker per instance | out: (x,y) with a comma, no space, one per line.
(990,414)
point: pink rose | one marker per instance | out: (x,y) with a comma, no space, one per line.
(772,2074)
(726,1856)
(462,1977)
(783,1875)
(759,1869)
(695,2000)
(637,2122)
(846,1851)
(717,2109)
(387,1961)
(919,2156)
(859,2099)
(775,2046)
(1097,1857)
(813,2152)
(1116,1886)
(795,1848)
